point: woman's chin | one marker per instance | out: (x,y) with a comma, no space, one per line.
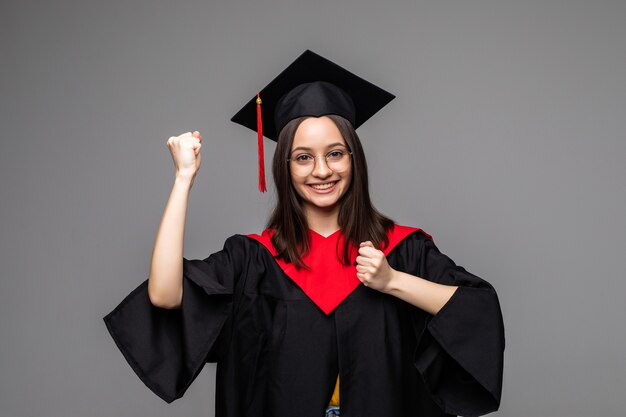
(322,203)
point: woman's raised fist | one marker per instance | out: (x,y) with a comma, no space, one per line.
(185,150)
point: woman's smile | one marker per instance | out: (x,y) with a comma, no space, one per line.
(323,187)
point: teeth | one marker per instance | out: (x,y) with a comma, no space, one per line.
(323,186)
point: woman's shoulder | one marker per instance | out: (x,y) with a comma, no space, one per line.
(251,244)
(404,230)
(241,240)
(402,235)
(237,248)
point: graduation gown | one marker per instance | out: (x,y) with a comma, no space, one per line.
(278,352)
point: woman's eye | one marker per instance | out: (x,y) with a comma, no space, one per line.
(303,158)
(335,154)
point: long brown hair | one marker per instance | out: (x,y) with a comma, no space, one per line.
(358,219)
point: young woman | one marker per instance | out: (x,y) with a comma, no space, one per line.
(333,307)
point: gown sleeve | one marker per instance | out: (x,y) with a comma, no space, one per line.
(460,355)
(167,348)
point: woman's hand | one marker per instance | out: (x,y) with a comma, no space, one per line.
(372,268)
(185,150)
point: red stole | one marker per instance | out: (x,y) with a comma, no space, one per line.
(327,282)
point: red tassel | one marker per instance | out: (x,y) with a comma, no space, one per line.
(261,156)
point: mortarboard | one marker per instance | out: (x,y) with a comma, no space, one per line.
(310,86)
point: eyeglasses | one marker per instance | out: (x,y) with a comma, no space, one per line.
(337,160)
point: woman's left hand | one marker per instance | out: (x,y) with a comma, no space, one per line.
(372,268)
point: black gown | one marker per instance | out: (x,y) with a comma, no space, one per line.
(278,354)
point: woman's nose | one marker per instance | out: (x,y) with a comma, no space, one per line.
(320,167)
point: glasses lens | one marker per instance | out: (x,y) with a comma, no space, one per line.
(337,160)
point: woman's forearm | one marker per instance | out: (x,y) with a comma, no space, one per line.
(427,295)
(165,286)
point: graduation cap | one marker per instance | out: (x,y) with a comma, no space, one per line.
(310,86)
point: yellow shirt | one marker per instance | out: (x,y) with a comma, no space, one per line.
(334,400)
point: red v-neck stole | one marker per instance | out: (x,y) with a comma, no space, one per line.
(327,282)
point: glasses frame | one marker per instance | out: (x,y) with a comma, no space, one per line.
(348,154)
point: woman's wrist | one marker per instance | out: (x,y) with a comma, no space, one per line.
(394,282)
(184,179)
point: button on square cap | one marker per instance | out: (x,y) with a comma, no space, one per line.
(312,86)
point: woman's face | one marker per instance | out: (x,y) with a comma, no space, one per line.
(321,169)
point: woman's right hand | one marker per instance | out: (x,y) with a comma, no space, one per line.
(185,150)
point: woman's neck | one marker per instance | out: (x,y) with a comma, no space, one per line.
(321,220)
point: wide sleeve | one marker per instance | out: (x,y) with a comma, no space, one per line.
(167,348)
(460,352)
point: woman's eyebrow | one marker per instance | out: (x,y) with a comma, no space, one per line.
(304,148)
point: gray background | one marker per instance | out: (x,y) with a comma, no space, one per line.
(506,142)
